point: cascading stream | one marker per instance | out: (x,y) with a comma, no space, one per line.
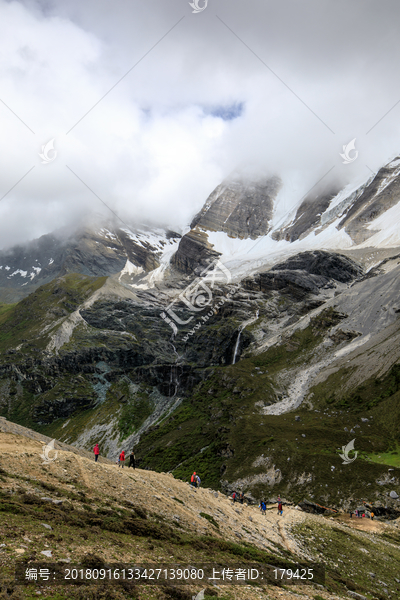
(242,326)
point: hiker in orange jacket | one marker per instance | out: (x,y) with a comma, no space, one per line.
(193,480)
(122,459)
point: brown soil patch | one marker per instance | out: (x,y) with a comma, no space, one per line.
(363,524)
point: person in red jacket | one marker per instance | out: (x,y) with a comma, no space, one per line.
(96,451)
(193,480)
(122,459)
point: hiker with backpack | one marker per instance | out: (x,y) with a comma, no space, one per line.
(280,508)
(234,496)
(132,460)
(263,507)
(198,481)
(96,451)
(193,480)
(122,459)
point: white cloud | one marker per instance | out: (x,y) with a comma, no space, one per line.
(152,148)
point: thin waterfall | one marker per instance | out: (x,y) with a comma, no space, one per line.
(240,333)
(237,344)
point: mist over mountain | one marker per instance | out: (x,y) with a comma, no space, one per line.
(152,107)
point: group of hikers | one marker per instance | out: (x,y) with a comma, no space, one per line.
(263,507)
(121,458)
(360,514)
(238,497)
(195,480)
(132,460)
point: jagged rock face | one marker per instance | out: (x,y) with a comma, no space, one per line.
(329,265)
(378,197)
(240,209)
(308,216)
(194,252)
(306,273)
(356,210)
(93,251)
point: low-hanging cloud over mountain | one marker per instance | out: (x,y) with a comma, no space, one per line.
(150,106)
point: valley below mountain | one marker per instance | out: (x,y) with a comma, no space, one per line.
(249,350)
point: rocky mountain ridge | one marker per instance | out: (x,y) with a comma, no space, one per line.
(240,208)
(99,249)
(235,224)
(360,215)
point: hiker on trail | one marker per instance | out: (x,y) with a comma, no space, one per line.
(198,481)
(96,451)
(241,497)
(122,459)
(263,507)
(234,496)
(132,460)
(372,516)
(280,509)
(193,480)
(351,514)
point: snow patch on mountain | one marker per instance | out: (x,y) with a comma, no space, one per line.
(156,237)
(36,272)
(18,272)
(242,257)
(130,269)
(387,229)
(151,279)
(108,233)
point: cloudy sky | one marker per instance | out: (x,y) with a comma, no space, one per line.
(151,105)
